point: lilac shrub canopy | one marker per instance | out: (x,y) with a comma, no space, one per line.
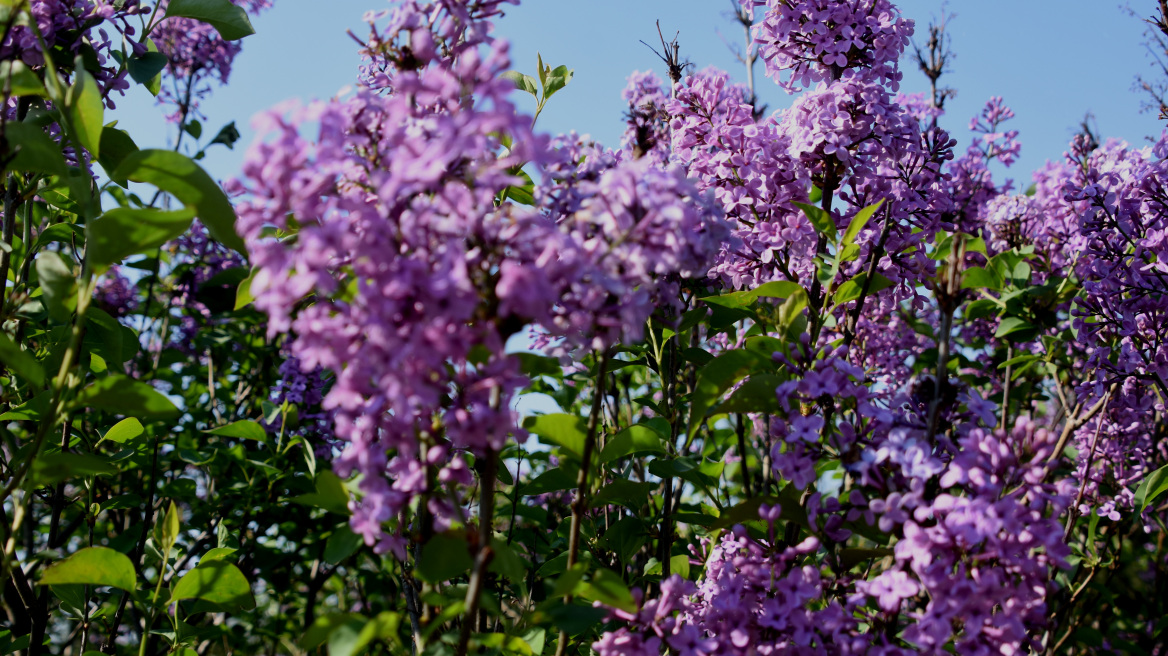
(824,382)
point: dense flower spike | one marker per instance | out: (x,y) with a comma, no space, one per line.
(389,175)
(813,41)
(115,294)
(74,27)
(416,339)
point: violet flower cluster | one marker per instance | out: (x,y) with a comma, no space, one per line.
(406,277)
(77,27)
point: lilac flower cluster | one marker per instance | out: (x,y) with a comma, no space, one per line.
(641,230)
(305,391)
(115,294)
(416,33)
(647,130)
(387,176)
(755,598)
(197,259)
(74,25)
(406,276)
(971,570)
(748,169)
(804,43)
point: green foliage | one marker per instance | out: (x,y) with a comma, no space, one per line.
(122,232)
(181,177)
(230,20)
(93,566)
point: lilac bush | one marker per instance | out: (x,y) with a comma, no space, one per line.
(811,381)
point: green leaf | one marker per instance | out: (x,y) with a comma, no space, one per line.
(535,639)
(227,135)
(180,176)
(228,19)
(854,288)
(124,431)
(522,82)
(981,309)
(738,300)
(637,438)
(171,525)
(979,278)
(556,80)
(559,565)
(341,544)
(116,146)
(122,232)
(126,396)
(684,468)
(1021,359)
(33,150)
(679,565)
(21,362)
(244,430)
(146,68)
(52,468)
(551,480)
(507,562)
(243,297)
(218,582)
(563,430)
(330,494)
(58,285)
(324,627)
(625,537)
(31,410)
(577,618)
(848,253)
(975,246)
(757,394)
(629,494)
(64,233)
(608,588)
(382,627)
(1151,488)
(822,221)
(747,511)
(194,128)
(443,558)
(218,553)
(858,222)
(109,340)
(1013,326)
(534,365)
(853,556)
(791,313)
(121,502)
(93,566)
(522,194)
(715,378)
(86,111)
(21,80)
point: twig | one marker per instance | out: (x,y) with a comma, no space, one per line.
(487,475)
(580,504)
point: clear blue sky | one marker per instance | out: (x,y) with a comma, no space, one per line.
(1052,60)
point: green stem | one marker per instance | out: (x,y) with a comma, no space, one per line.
(580,505)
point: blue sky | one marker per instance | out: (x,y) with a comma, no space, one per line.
(1052,61)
